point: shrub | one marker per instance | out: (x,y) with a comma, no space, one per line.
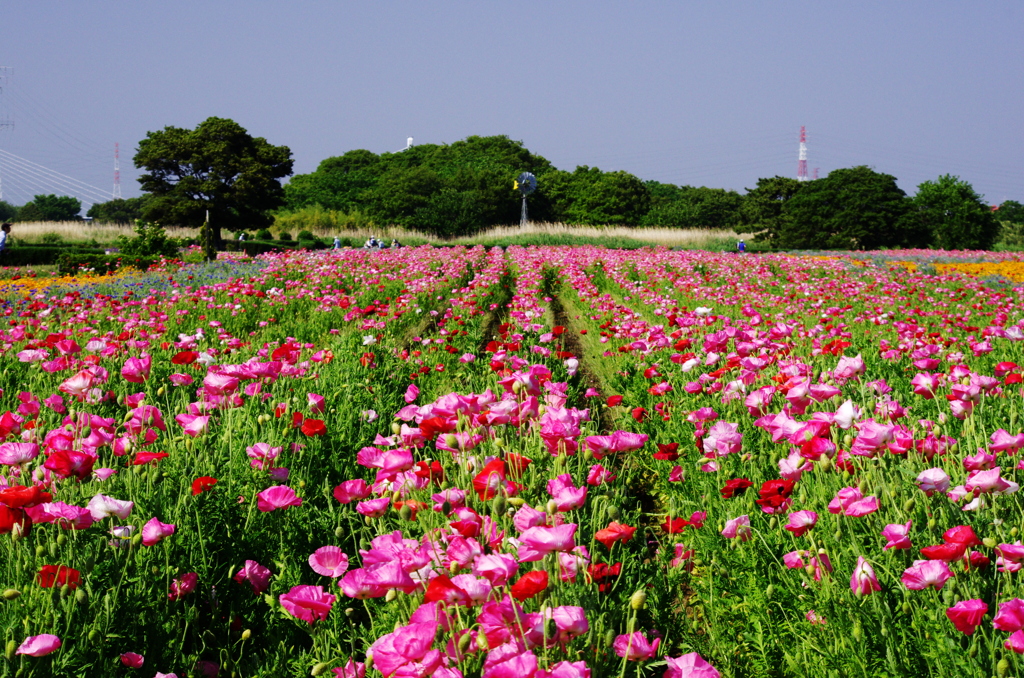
(150,241)
(52,239)
(264,234)
(306,235)
(284,236)
(71,262)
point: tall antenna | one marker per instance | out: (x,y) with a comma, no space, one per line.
(801,165)
(815,172)
(117,171)
(5,122)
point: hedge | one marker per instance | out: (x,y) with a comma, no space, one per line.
(41,255)
(71,262)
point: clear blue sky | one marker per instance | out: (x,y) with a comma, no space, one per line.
(685,92)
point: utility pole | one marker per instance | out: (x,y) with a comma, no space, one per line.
(117,171)
(5,122)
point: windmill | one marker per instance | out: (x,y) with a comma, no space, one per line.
(526,184)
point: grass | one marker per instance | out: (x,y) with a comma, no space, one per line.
(531,234)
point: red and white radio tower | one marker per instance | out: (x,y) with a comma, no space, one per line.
(117,171)
(801,165)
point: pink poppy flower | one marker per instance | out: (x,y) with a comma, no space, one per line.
(896,536)
(154,532)
(219,384)
(183,585)
(257,576)
(863,580)
(738,527)
(277,497)
(800,522)
(39,646)
(933,480)
(690,665)
(1010,616)
(351,490)
(193,425)
(374,508)
(1015,642)
(330,561)
(351,669)
(132,660)
(966,615)
(308,603)
(136,370)
(16,454)
(926,573)
(537,542)
(101,507)
(635,647)
(179,379)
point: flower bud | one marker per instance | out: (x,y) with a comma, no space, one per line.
(609,637)
(246,634)
(11,594)
(339,531)
(552,506)
(481,642)
(612,512)
(396,428)
(391,595)
(909,505)
(1002,667)
(769,592)
(318,669)
(82,597)
(405,513)
(498,505)
(10,649)
(40,551)
(638,599)
(516,501)
(464,640)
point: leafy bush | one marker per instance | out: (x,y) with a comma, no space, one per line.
(72,262)
(52,239)
(151,241)
(40,255)
(284,236)
(306,235)
(264,234)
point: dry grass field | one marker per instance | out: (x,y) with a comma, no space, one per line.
(80,231)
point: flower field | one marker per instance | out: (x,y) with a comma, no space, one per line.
(549,462)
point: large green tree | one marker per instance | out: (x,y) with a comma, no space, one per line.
(7,211)
(51,208)
(591,197)
(692,207)
(955,215)
(1011,211)
(119,210)
(217,169)
(855,208)
(763,210)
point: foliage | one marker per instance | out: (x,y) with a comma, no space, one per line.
(150,241)
(763,209)
(74,262)
(284,236)
(8,212)
(692,207)
(264,234)
(51,207)
(306,235)
(119,210)
(51,238)
(589,196)
(41,255)
(1012,211)
(855,208)
(317,217)
(216,173)
(1011,237)
(955,215)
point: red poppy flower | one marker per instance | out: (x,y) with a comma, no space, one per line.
(667,451)
(640,414)
(949,552)
(9,517)
(442,589)
(492,477)
(614,400)
(297,420)
(602,573)
(775,493)
(431,427)
(613,533)
(557,330)
(185,358)
(202,484)
(432,471)
(68,463)
(674,525)
(147,457)
(734,487)
(59,575)
(20,496)
(529,585)
(517,464)
(314,427)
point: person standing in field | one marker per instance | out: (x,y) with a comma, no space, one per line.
(5,230)
(741,247)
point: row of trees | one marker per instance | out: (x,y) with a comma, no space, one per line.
(858,208)
(43,208)
(221,175)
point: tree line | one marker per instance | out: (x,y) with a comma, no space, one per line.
(220,173)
